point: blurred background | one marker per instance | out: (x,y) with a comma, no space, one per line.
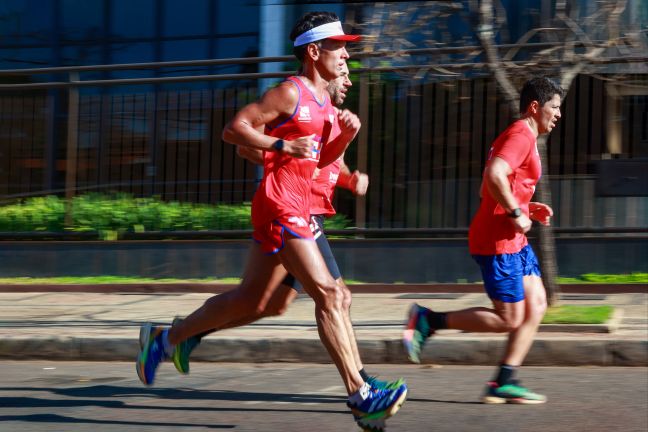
(111,113)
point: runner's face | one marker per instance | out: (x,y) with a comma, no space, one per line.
(548,115)
(332,58)
(339,87)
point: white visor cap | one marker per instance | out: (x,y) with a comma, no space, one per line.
(332,30)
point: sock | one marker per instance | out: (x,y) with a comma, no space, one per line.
(364,374)
(358,397)
(437,320)
(505,374)
(168,347)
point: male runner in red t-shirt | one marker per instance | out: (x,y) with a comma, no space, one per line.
(498,243)
(298,117)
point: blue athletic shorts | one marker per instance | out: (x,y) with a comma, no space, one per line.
(317,226)
(503,273)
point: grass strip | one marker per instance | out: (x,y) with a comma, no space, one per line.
(572,314)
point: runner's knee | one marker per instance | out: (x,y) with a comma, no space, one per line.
(346,296)
(276,309)
(537,308)
(511,322)
(333,295)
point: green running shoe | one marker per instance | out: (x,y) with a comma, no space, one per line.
(512,393)
(417,331)
(183,350)
(371,425)
(385,385)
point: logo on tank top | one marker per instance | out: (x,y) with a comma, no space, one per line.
(299,221)
(304,114)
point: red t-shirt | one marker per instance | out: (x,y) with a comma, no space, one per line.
(491,231)
(286,186)
(323,185)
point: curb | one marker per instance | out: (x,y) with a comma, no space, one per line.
(567,351)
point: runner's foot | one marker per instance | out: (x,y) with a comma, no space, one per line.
(417,331)
(512,393)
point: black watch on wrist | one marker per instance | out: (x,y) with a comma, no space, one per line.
(278,145)
(515,213)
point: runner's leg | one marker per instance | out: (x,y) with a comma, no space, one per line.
(521,339)
(303,260)
(261,278)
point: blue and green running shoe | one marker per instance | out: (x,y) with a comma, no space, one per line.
(512,393)
(151,353)
(183,351)
(378,404)
(385,385)
(417,331)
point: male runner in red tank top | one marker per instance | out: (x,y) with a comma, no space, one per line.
(322,190)
(298,116)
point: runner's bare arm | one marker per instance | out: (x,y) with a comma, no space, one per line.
(497,182)
(349,127)
(251,154)
(355,181)
(276,103)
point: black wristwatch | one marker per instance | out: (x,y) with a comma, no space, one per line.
(278,145)
(515,213)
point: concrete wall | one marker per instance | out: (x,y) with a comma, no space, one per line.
(366,260)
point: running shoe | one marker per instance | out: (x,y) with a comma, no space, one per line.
(371,425)
(151,353)
(512,393)
(385,385)
(183,351)
(379,404)
(417,331)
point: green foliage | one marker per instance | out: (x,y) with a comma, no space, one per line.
(34,214)
(606,278)
(337,221)
(113,215)
(570,314)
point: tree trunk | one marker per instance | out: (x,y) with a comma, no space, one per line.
(548,262)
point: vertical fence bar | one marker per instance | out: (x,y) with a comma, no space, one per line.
(363,140)
(72,145)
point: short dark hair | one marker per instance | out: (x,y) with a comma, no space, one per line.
(307,22)
(539,89)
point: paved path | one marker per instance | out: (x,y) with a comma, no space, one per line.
(95,326)
(38,396)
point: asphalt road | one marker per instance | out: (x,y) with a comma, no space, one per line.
(100,397)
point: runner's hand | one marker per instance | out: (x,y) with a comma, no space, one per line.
(359,183)
(522,224)
(349,122)
(301,147)
(540,212)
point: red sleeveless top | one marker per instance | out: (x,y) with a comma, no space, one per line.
(286,186)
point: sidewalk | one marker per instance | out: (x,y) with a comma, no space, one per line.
(104,326)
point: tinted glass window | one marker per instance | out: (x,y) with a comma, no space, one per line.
(186,17)
(133,19)
(25,22)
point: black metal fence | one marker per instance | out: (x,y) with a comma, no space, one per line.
(424,147)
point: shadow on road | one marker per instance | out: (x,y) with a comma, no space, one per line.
(54,418)
(91,396)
